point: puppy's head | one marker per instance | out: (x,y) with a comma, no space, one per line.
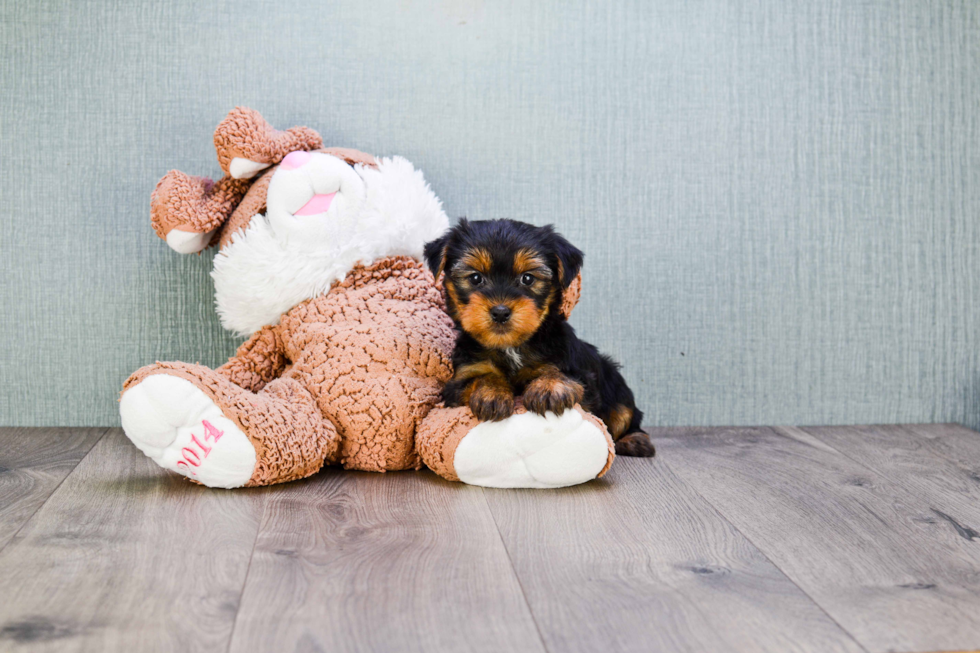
(502,277)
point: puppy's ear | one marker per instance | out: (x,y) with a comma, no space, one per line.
(570,259)
(435,254)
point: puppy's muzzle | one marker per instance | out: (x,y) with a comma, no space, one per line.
(500,313)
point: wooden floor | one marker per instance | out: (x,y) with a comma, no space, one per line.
(746,539)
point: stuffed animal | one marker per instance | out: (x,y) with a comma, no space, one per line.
(319,264)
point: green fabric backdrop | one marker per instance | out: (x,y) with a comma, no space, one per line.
(779,199)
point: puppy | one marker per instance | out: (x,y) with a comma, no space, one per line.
(504,284)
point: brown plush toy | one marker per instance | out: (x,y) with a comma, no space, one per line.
(349,345)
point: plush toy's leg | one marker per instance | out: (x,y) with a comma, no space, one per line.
(194,421)
(525,450)
(376,412)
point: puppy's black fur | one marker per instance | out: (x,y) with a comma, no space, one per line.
(505,281)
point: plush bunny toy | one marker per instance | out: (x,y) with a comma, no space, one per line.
(349,344)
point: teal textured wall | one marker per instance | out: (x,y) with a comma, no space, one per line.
(779,200)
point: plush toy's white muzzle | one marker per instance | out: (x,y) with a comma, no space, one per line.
(313,197)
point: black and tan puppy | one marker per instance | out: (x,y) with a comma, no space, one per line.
(504,283)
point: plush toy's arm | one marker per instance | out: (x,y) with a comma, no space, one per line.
(187,211)
(259,360)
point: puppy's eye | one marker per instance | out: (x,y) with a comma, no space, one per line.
(527,279)
(475,279)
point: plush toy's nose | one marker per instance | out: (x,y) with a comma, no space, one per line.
(500,313)
(295,160)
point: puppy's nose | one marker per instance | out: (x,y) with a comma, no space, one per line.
(500,313)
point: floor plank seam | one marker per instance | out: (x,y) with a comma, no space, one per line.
(54,491)
(961,530)
(938,454)
(748,539)
(945,456)
(967,532)
(778,431)
(248,570)
(510,561)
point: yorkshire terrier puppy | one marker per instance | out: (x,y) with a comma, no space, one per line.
(504,284)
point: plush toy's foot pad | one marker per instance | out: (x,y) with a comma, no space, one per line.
(181,429)
(527,450)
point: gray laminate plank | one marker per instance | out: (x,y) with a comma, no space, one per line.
(381,562)
(637,561)
(870,552)
(915,461)
(125,556)
(954,442)
(33,462)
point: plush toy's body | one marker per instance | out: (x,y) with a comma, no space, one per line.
(349,342)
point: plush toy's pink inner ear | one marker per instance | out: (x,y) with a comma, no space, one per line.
(295,160)
(317,204)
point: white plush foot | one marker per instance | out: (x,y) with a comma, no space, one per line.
(531,451)
(181,429)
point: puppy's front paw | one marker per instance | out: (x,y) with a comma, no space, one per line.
(491,404)
(549,393)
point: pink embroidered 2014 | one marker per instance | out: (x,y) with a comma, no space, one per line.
(191,457)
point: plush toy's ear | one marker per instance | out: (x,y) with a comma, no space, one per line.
(435,254)
(569,259)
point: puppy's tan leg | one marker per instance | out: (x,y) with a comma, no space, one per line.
(550,390)
(630,440)
(482,387)
(618,420)
(490,398)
